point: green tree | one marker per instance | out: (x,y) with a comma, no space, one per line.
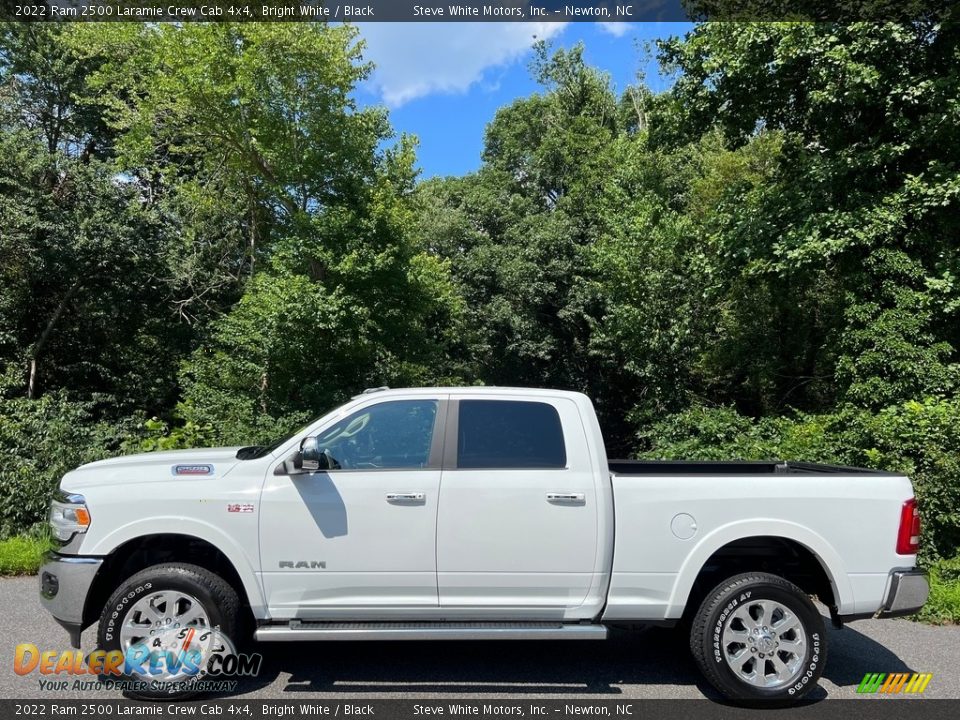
(860,212)
(78,257)
(518,233)
(255,123)
(238,135)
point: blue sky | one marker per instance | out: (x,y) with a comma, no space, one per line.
(443,82)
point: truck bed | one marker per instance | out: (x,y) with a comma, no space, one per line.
(733,467)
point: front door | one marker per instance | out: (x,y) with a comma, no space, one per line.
(358,540)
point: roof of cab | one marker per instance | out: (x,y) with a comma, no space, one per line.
(468,389)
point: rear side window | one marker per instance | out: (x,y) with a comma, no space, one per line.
(506,434)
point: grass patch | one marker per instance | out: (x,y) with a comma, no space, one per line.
(943,605)
(22,554)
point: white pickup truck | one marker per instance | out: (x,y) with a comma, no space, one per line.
(483,513)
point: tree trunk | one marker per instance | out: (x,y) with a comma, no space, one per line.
(44,336)
(264,381)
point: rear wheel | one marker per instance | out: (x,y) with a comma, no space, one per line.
(757,636)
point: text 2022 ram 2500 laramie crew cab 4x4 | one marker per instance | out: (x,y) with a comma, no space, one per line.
(483,513)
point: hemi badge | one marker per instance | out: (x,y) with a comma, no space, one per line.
(240,507)
(192,469)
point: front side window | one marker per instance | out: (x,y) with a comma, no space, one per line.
(508,434)
(387,436)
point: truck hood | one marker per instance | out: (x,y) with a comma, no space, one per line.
(153,467)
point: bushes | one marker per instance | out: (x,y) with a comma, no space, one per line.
(920,439)
(156,434)
(923,441)
(41,440)
(702,433)
(943,605)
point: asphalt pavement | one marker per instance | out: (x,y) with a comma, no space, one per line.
(652,663)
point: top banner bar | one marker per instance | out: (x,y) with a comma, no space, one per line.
(493,11)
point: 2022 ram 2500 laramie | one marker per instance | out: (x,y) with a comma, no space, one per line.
(483,513)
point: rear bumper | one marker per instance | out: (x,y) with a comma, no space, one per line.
(65,581)
(907,592)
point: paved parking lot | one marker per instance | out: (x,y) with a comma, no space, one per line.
(651,663)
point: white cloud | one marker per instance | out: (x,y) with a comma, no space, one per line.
(617,29)
(417,59)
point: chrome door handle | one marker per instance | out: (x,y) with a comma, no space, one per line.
(566,497)
(413,497)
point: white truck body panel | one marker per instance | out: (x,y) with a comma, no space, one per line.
(487,543)
(498,545)
(654,570)
(137,495)
(376,555)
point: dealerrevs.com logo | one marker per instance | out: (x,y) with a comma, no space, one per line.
(895,683)
(177,660)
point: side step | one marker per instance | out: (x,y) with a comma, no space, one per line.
(298,630)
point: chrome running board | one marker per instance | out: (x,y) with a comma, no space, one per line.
(298,630)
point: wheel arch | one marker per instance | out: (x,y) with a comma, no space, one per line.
(144,550)
(740,547)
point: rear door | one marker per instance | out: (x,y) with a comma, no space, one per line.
(517,516)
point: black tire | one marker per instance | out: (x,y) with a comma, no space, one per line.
(217,597)
(723,610)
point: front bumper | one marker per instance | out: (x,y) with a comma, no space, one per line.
(906,594)
(65,581)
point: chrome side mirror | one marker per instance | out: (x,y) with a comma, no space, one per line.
(312,457)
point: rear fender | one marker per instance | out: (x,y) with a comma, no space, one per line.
(832,564)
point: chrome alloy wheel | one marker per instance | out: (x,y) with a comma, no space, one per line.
(154,616)
(764,643)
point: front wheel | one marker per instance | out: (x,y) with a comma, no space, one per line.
(757,636)
(166,620)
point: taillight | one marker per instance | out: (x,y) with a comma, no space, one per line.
(908,537)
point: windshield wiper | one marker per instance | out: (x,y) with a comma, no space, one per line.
(252,452)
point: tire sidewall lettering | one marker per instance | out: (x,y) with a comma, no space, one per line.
(812,662)
(722,618)
(121,606)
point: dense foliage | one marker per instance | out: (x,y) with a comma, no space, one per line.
(204,240)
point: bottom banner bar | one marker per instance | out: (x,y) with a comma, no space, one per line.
(261,709)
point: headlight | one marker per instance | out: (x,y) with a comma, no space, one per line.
(68,516)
